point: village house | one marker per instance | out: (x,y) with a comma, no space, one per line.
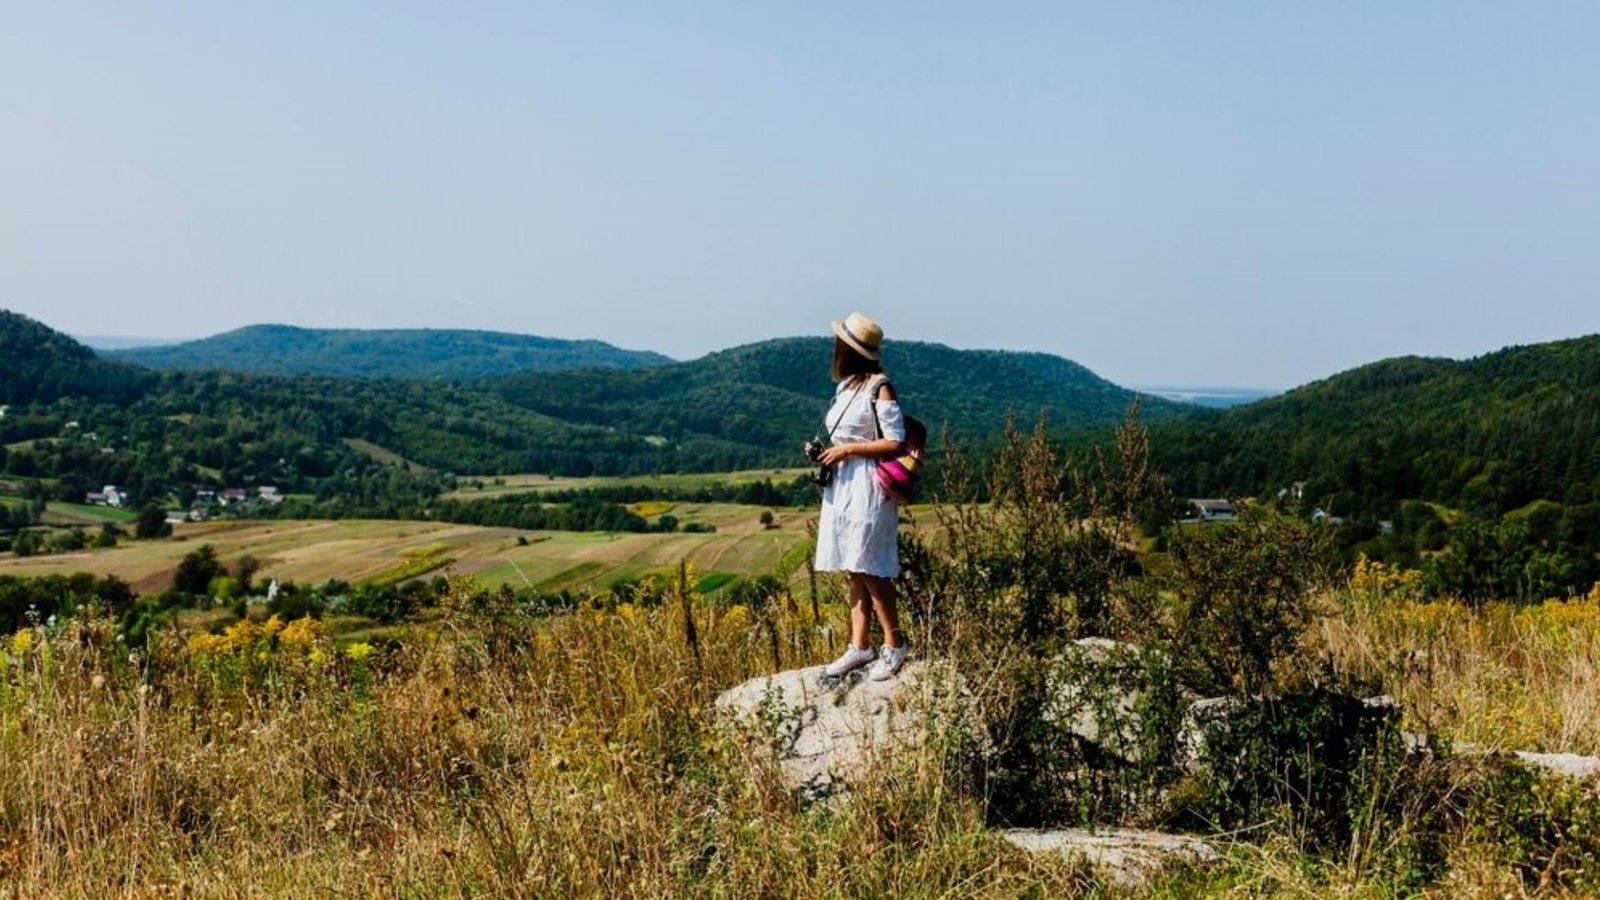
(230,496)
(269,494)
(1212,510)
(1321,517)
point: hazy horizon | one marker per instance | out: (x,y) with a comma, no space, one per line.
(1226,195)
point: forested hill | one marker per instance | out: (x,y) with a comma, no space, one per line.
(396,353)
(1488,434)
(38,364)
(766,394)
(78,422)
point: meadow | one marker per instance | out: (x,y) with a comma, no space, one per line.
(311,552)
(577,756)
(475,486)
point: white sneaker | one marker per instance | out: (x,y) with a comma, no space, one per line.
(854,657)
(889,663)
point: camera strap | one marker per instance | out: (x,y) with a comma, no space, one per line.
(854,394)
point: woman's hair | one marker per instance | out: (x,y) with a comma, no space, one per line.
(847,363)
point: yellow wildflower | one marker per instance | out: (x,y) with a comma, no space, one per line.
(301,633)
(205,644)
(358,651)
(317,657)
(736,619)
(272,626)
(21,642)
(241,634)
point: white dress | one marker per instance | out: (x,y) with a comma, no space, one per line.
(857,531)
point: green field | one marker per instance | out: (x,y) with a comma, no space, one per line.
(57,512)
(494,485)
(310,552)
(384,455)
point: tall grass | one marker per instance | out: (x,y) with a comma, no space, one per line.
(488,755)
(1505,676)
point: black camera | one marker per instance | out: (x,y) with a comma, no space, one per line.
(824,474)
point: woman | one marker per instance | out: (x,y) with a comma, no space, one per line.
(856,534)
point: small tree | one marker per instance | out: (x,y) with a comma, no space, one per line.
(196,572)
(244,573)
(152,523)
(768,520)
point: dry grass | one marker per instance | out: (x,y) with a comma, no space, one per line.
(491,757)
(313,551)
(1501,675)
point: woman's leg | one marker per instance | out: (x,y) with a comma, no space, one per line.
(883,601)
(860,614)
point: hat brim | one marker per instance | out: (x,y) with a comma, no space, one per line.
(843,334)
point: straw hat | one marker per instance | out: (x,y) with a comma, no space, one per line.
(861,333)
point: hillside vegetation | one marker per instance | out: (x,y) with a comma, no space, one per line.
(762,395)
(382,353)
(79,423)
(1488,434)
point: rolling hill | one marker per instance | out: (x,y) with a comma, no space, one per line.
(771,394)
(40,365)
(389,353)
(1490,434)
(82,422)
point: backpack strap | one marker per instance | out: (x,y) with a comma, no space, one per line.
(872,401)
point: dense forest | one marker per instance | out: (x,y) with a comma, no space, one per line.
(1486,435)
(80,423)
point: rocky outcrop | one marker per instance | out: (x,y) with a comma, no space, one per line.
(1100,690)
(1124,856)
(825,732)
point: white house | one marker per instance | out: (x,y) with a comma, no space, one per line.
(269,494)
(114,496)
(1320,516)
(1212,510)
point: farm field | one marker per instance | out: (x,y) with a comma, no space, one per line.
(57,512)
(494,485)
(313,551)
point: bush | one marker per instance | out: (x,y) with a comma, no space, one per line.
(151,523)
(196,571)
(1242,597)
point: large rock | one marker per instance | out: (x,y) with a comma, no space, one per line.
(826,732)
(1216,715)
(1101,690)
(1127,857)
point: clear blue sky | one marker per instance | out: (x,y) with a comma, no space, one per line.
(1194,193)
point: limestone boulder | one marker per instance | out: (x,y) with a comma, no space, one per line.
(1106,693)
(1126,857)
(826,732)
